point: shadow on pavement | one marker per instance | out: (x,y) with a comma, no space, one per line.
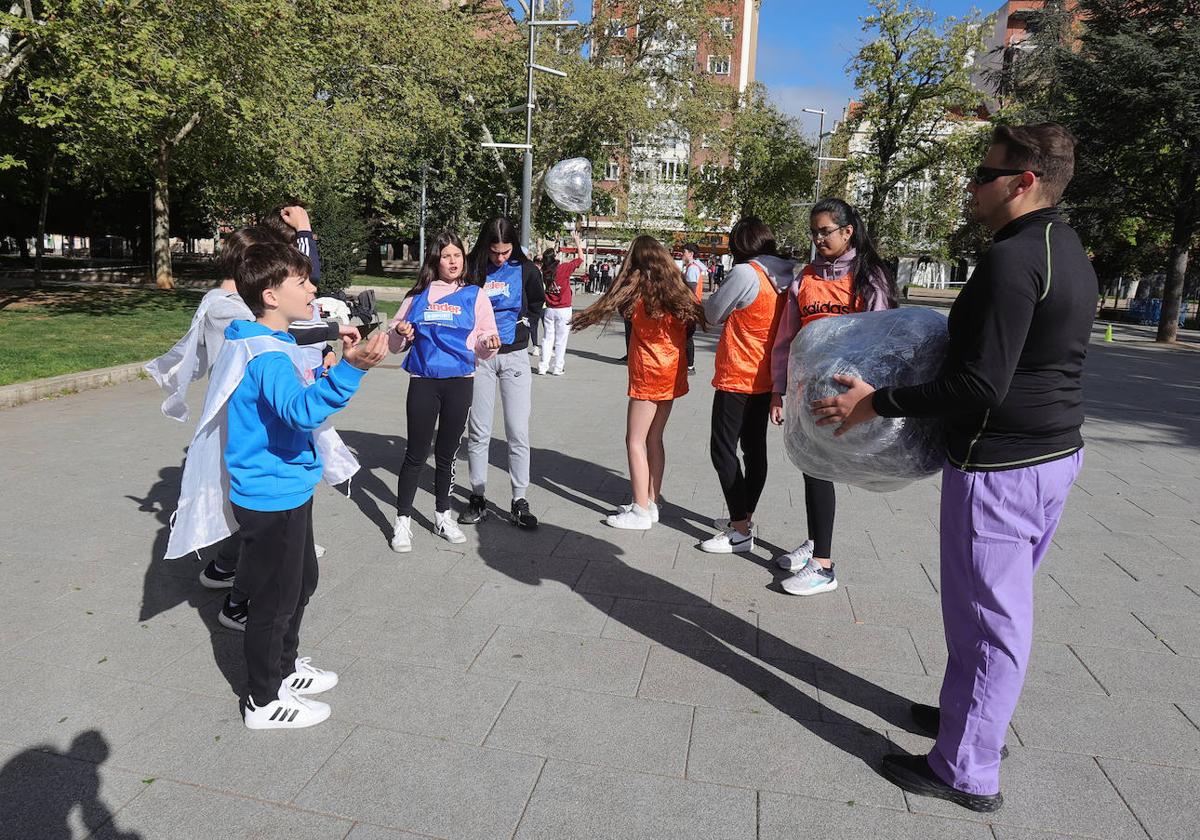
(40,787)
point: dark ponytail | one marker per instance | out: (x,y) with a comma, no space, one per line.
(549,266)
(497,230)
(867,262)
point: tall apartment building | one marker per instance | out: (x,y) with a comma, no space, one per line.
(657,195)
(1011,32)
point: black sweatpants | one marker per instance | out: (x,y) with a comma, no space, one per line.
(278,573)
(446,403)
(740,418)
(820,503)
(229,552)
(691,345)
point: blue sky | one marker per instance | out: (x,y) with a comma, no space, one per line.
(805,45)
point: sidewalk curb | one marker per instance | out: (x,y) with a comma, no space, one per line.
(69,383)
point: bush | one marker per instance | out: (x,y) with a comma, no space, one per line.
(342,236)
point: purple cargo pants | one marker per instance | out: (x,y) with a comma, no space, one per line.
(995,530)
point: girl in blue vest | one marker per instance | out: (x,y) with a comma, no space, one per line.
(514,285)
(446,325)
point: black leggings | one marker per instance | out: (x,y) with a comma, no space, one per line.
(740,418)
(691,345)
(445,402)
(820,503)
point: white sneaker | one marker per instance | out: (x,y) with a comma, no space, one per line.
(796,559)
(729,541)
(653,510)
(556,372)
(319,550)
(811,580)
(541,371)
(724,525)
(634,519)
(402,534)
(309,680)
(290,711)
(443,526)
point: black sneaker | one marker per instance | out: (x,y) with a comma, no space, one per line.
(913,774)
(521,517)
(691,370)
(233,615)
(929,719)
(214,578)
(476,511)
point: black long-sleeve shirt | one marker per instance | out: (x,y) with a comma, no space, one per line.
(1011,388)
(533,301)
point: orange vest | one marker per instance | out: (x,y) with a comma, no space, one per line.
(657,364)
(699,280)
(744,353)
(820,298)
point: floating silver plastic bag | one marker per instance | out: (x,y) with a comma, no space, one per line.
(569,184)
(891,348)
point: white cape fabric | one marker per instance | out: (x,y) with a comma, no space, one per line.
(204,515)
(188,360)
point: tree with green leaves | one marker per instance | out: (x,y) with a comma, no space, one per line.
(759,165)
(915,126)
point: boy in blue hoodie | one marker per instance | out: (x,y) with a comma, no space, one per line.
(273,465)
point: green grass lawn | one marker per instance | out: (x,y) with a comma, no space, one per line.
(391,281)
(52,332)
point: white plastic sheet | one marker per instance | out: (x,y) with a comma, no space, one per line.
(569,184)
(896,347)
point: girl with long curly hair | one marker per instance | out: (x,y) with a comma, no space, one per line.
(651,293)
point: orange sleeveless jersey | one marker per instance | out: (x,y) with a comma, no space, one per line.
(657,364)
(744,353)
(819,298)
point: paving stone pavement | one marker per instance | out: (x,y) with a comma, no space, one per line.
(581,682)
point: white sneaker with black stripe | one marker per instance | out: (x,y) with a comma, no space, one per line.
(290,711)
(307,679)
(729,541)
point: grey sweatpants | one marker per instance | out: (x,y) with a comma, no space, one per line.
(511,371)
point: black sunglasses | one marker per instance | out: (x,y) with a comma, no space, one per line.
(987,174)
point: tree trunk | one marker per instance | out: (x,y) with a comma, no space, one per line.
(374,259)
(160,255)
(41,227)
(1181,237)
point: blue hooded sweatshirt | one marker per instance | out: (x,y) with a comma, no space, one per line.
(270,454)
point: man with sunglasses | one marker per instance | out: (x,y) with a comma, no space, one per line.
(1011,394)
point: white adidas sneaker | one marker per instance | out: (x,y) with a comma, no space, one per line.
(307,679)
(653,510)
(796,559)
(444,527)
(402,534)
(290,711)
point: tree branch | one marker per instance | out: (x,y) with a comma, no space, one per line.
(186,130)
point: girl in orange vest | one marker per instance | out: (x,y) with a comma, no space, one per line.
(846,276)
(649,292)
(749,304)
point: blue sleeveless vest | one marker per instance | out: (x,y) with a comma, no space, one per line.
(439,349)
(504,287)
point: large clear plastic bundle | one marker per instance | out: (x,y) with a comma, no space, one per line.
(891,348)
(569,184)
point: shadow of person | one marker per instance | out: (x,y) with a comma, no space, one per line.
(674,618)
(40,787)
(169,583)
(375,495)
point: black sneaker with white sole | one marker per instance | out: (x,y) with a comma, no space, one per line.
(476,511)
(234,615)
(214,578)
(521,517)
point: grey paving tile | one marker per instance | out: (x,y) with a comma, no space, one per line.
(880,605)
(108,644)
(423,785)
(420,699)
(668,586)
(1045,791)
(46,794)
(729,680)
(1118,727)
(1180,631)
(554,607)
(759,590)
(1128,594)
(592,728)
(845,644)
(1137,674)
(771,752)
(374,832)
(1165,799)
(873,698)
(568,661)
(595,803)
(1107,627)
(391,591)
(204,742)
(678,626)
(783,817)
(22,618)
(425,640)
(170,811)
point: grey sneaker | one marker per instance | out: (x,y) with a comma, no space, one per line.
(811,580)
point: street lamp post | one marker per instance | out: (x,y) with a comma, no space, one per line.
(820,142)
